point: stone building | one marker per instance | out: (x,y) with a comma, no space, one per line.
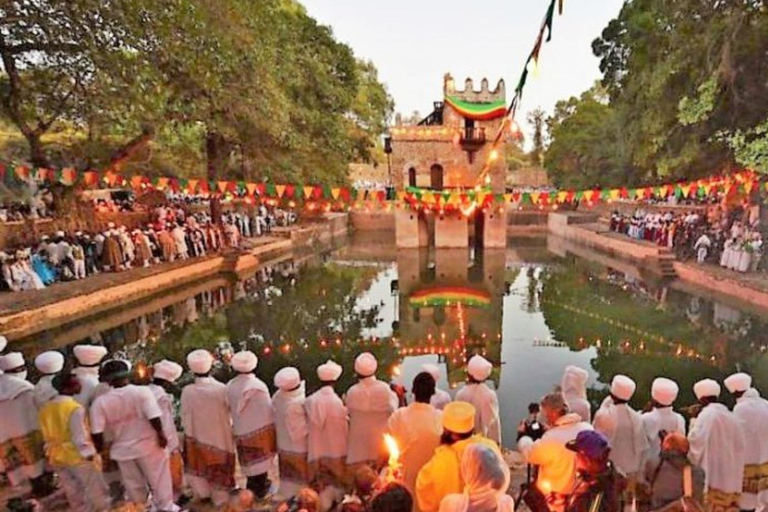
(448,150)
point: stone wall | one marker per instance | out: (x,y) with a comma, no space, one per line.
(373,220)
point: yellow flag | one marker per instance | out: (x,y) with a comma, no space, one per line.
(335,192)
(280,190)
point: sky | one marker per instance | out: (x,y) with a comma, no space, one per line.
(413,43)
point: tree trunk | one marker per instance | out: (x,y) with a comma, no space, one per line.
(122,155)
(36,154)
(216,153)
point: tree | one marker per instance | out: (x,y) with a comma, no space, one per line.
(536,119)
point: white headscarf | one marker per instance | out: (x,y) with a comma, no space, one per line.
(486,479)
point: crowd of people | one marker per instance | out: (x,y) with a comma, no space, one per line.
(172,235)
(728,238)
(111,437)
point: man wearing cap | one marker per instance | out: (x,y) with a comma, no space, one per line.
(88,358)
(557,464)
(718,447)
(370,402)
(253,422)
(328,428)
(69,449)
(623,427)
(662,420)
(574,388)
(164,376)
(112,253)
(441,398)
(483,398)
(292,430)
(209,446)
(49,364)
(417,429)
(441,476)
(599,485)
(21,443)
(752,411)
(134,419)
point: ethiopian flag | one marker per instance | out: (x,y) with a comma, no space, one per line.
(478,111)
(449,296)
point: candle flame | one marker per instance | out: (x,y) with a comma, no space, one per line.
(393,449)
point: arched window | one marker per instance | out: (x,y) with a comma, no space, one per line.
(411,177)
(436,176)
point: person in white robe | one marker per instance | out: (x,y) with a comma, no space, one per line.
(209,445)
(663,419)
(49,364)
(752,411)
(292,430)
(477,393)
(164,376)
(133,416)
(417,429)
(486,480)
(370,402)
(623,427)
(88,359)
(441,398)
(701,247)
(253,422)
(573,385)
(22,456)
(718,447)
(745,257)
(180,238)
(725,257)
(328,430)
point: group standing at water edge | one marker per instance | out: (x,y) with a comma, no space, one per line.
(108,439)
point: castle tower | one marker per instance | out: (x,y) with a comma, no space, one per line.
(448,151)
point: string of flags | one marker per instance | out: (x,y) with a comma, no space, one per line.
(464,200)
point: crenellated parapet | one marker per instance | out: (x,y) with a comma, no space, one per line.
(469,94)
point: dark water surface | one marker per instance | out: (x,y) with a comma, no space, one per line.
(533,309)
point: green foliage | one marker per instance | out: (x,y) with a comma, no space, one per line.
(537,119)
(751,147)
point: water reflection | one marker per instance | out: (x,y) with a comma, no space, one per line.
(531,310)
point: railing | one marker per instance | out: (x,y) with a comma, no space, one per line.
(473,135)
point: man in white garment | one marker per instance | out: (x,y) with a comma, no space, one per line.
(718,447)
(752,411)
(17,408)
(702,248)
(180,237)
(623,427)
(328,428)
(574,388)
(292,430)
(370,402)
(477,393)
(662,420)
(164,376)
(417,429)
(557,464)
(441,398)
(134,419)
(49,364)
(253,422)
(89,359)
(209,446)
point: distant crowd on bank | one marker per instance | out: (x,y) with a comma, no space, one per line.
(730,238)
(173,234)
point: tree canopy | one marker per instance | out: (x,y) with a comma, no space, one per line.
(687,96)
(245,89)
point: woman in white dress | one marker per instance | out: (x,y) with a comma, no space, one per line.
(745,257)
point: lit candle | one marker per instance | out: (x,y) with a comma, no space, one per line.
(392,472)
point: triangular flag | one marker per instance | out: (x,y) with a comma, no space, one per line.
(615,193)
(535,197)
(290,190)
(280,190)
(162,183)
(686,189)
(251,188)
(748,185)
(562,196)
(222,186)
(261,189)
(507,198)
(192,185)
(22,172)
(68,176)
(136,182)
(308,191)
(335,192)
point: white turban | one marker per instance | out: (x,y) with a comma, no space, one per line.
(11,361)
(329,372)
(89,355)
(167,370)
(622,387)
(574,382)
(664,391)
(366,364)
(287,378)
(200,361)
(706,388)
(479,368)
(486,478)
(432,369)
(738,383)
(49,362)
(3,342)
(244,362)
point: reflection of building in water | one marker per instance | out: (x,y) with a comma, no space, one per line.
(451,306)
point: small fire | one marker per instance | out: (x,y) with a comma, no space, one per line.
(545,487)
(393,449)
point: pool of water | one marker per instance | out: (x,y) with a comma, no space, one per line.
(531,309)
